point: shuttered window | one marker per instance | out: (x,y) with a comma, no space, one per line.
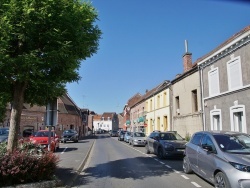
(234,74)
(213,79)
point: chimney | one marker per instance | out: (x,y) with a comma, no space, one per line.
(187,59)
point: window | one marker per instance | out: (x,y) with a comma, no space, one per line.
(177,105)
(238,118)
(213,82)
(206,141)
(234,74)
(165,99)
(215,118)
(151,105)
(158,101)
(195,100)
(196,139)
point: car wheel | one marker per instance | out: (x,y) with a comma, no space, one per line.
(221,180)
(147,150)
(160,154)
(186,166)
(129,143)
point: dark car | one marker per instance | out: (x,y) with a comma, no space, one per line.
(165,144)
(69,135)
(4,133)
(220,157)
(121,135)
(114,133)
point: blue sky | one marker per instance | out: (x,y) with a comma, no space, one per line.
(143,43)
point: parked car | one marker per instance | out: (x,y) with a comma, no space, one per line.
(69,135)
(127,136)
(165,144)
(114,133)
(4,134)
(137,139)
(42,137)
(222,158)
(121,135)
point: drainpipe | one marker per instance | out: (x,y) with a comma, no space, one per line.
(201,96)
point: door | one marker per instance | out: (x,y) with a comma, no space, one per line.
(206,159)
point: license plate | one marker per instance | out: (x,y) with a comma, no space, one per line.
(180,149)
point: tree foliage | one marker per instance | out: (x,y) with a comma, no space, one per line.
(42,45)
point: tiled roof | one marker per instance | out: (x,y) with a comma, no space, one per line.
(66,105)
(34,108)
(97,117)
(108,114)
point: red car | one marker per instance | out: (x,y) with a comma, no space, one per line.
(42,137)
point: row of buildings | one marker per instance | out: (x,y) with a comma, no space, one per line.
(213,93)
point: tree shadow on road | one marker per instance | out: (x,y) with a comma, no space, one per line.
(131,168)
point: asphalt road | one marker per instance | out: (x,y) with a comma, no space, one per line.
(73,157)
(115,164)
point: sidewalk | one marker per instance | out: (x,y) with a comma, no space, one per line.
(69,168)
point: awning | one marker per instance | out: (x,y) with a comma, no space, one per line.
(140,119)
(128,122)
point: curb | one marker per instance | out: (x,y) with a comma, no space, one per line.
(80,168)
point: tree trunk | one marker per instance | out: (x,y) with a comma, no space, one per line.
(15,116)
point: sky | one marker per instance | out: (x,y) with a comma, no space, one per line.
(143,42)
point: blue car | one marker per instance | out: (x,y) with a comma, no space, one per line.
(4,133)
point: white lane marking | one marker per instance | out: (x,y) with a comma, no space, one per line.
(176,171)
(64,150)
(195,184)
(185,177)
(156,160)
(162,162)
(168,166)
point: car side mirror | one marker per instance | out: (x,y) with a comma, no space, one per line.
(156,138)
(207,148)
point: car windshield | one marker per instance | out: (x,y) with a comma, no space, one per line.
(139,134)
(170,136)
(239,143)
(43,134)
(68,132)
(128,133)
(4,132)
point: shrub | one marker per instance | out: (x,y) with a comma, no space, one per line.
(187,137)
(27,164)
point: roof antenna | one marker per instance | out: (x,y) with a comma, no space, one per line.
(186,46)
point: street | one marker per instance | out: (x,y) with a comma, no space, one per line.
(115,164)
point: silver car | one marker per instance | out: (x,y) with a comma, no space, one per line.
(137,139)
(222,158)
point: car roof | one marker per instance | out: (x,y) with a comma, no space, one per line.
(216,132)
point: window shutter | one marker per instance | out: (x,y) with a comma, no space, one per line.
(234,73)
(213,82)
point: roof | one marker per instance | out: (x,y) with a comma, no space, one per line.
(67,105)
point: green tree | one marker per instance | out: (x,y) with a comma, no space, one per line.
(42,45)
